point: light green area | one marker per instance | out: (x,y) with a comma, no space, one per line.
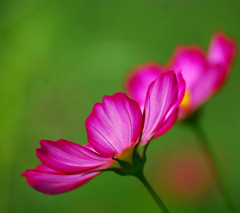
(57,58)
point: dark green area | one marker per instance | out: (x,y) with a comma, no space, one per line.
(58,58)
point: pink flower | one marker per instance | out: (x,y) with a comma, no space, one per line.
(187,173)
(114,127)
(204,73)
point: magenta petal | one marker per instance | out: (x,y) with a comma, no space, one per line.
(114,124)
(208,85)
(138,81)
(191,62)
(48,181)
(175,110)
(181,93)
(222,50)
(161,98)
(168,123)
(66,156)
(181,89)
(221,53)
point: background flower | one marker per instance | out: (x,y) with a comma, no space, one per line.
(187,176)
(204,73)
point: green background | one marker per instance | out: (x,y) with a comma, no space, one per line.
(58,58)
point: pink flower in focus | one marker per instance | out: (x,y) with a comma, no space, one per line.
(113,128)
(204,74)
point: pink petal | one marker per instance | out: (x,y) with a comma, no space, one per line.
(168,123)
(181,89)
(181,93)
(222,50)
(161,101)
(114,125)
(208,85)
(66,156)
(191,62)
(48,181)
(221,53)
(138,81)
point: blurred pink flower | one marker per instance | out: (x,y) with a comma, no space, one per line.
(186,175)
(204,73)
(113,128)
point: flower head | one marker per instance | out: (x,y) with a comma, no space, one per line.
(114,127)
(187,173)
(204,73)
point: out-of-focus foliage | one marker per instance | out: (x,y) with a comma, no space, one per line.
(57,58)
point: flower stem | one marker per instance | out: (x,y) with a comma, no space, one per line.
(159,202)
(216,168)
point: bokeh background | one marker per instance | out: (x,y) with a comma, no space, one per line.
(57,58)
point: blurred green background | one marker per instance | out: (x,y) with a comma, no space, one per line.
(57,58)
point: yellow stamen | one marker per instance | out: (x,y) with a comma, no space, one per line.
(126,155)
(186,100)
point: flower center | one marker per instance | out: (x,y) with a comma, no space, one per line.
(126,155)
(186,100)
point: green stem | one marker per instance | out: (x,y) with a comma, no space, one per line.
(216,168)
(153,193)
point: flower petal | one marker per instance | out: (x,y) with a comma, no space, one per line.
(208,85)
(48,181)
(222,50)
(66,156)
(221,53)
(168,123)
(114,124)
(138,81)
(162,99)
(191,62)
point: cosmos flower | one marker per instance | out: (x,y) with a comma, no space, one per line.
(114,127)
(187,173)
(204,73)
